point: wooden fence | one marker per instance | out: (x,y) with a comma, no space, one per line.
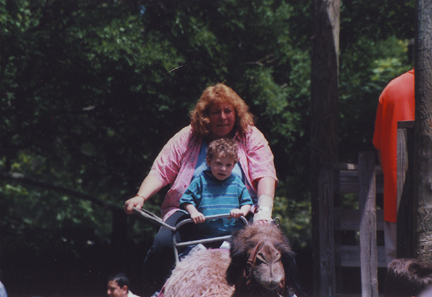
(364,179)
(406,208)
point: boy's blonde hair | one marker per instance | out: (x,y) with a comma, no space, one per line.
(225,147)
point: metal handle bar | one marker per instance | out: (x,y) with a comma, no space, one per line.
(147,215)
(202,241)
(212,217)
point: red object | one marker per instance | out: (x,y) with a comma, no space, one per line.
(396,103)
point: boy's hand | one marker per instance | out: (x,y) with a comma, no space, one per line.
(236,213)
(198,217)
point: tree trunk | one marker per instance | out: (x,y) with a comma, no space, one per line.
(324,114)
(423,131)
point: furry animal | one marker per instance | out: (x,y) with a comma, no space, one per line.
(407,277)
(260,263)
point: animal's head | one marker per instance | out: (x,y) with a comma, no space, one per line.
(407,277)
(262,261)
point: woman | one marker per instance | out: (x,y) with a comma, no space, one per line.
(219,113)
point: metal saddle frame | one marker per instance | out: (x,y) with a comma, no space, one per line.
(149,216)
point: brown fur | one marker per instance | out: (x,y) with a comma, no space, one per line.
(407,277)
(241,246)
(219,273)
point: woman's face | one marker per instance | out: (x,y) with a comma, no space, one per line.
(222,120)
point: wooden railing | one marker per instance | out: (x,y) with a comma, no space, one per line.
(364,179)
(405,219)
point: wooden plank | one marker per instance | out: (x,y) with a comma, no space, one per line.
(402,159)
(349,256)
(354,295)
(366,220)
(349,219)
(348,181)
(405,217)
(367,207)
(405,124)
(326,233)
(351,166)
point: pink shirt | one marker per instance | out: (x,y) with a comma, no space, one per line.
(176,163)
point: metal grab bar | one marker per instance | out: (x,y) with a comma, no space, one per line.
(147,215)
(208,218)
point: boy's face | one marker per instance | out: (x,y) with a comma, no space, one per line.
(221,167)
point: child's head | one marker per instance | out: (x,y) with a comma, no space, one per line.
(221,157)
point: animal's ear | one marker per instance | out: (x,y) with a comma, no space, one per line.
(239,257)
(292,276)
(421,268)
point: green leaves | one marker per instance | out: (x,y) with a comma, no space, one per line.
(366,68)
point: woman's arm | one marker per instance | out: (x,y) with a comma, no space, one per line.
(265,191)
(150,186)
(266,186)
(262,173)
(164,170)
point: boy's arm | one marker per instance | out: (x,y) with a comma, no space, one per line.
(196,216)
(243,211)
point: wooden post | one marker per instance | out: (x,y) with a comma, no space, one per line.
(326,232)
(405,216)
(367,207)
(423,131)
(324,115)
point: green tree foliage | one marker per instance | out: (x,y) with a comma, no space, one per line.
(374,42)
(98,88)
(91,91)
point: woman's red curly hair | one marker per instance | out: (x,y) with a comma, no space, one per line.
(214,95)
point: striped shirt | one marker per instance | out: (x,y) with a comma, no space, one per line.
(211,196)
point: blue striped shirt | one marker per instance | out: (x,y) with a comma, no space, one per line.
(211,196)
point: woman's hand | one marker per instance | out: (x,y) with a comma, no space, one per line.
(136,201)
(262,222)
(150,186)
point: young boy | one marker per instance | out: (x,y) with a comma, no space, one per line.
(217,191)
